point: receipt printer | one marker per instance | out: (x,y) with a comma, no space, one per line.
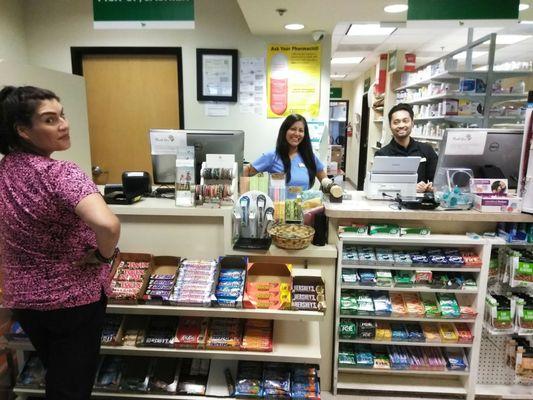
(391,176)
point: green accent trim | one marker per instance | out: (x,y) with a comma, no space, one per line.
(462,9)
(145,10)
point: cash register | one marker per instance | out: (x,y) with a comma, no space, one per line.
(392,176)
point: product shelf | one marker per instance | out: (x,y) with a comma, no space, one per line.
(409,268)
(296,342)
(437,239)
(407,318)
(312,251)
(456,75)
(514,392)
(421,289)
(457,95)
(428,138)
(283,315)
(401,371)
(125,395)
(413,384)
(452,118)
(418,344)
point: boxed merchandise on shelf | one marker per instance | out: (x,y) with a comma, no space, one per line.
(131,272)
(113,330)
(268,285)
(136,375)
(308,293)
(195,284)
(162,280)
(230,286)
(191,333)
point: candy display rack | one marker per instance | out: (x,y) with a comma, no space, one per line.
(451,382)
(286,346)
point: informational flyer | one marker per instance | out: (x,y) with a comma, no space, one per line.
(293,80)
(252,85)
(217,75)
(465,142)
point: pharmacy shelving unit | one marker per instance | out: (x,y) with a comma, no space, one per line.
(414,381)
(487,98)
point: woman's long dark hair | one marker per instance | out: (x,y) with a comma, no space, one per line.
(17,106)
(304,148)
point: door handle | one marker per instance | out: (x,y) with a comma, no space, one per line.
(97,170)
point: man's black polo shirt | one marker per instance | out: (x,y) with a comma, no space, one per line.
(428,164)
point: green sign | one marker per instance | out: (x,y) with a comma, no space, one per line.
(462,9)
(366,85)
(335,93)
(143,14)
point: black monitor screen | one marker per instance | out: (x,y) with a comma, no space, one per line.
(500,157)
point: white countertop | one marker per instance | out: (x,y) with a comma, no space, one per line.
(361,207)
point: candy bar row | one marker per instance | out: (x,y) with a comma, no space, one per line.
(193,377)
(427,257)
(402,358)
(188,333)
(418,278)
(428,332)
(228,282)
(277,381)
(397,304)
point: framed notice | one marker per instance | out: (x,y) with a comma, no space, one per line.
(216,75)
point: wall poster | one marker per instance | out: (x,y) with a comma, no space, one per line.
(293,80)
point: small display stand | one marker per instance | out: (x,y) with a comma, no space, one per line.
(185,177)
(253,214)
(218,182)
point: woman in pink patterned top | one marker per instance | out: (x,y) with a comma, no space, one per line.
(57,238)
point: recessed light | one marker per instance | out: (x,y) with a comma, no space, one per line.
(346,60)
(337,76)
(396,8)
(294,27)
(369,30)
(523,6)
(510,39)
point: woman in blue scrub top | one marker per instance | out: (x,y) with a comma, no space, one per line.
(293,156)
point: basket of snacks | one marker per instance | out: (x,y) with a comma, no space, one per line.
(291,236)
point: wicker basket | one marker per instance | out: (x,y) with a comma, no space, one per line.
(291,236)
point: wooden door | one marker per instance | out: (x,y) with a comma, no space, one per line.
(126,96)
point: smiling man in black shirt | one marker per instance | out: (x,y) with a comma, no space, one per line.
(401,123)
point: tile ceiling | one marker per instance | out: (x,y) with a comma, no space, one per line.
(335,16)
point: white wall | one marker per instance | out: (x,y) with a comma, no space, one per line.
(219,24)
(12,34)
(71,89)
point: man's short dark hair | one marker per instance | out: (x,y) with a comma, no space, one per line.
(401,107)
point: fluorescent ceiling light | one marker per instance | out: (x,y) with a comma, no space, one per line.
(526,22)
(523,6)
(369,30)
(346,60)
(510,39)
(475,54)
(338,76)
(396,8)
(294,27)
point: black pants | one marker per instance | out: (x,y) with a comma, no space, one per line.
(68,343)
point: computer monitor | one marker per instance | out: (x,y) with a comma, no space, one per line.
(500,157)
(215,142)
(204,142)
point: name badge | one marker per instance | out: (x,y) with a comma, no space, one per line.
(423,159)
(301,165)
